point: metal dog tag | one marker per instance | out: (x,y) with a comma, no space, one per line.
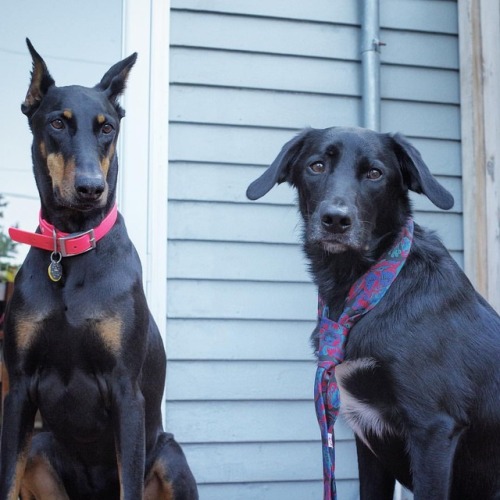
(55,269)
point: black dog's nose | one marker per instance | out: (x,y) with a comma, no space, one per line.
(89,188)
(335,219)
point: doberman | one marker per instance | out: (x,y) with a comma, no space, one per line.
(80,342)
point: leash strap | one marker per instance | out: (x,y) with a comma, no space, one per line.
(67,244)
(363,296)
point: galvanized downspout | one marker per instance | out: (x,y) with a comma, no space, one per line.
(370,62)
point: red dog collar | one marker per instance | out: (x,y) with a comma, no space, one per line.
(67,244)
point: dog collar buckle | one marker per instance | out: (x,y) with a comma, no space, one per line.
(75,238)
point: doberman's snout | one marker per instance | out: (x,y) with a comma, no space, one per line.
(89,188)
(335,218)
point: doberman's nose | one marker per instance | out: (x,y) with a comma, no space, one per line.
(89,188)
(335,219)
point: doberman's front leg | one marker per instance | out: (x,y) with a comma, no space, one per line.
(169,476)
(128,410)
(17,428)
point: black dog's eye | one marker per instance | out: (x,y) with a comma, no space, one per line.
(317,167)
(107,128)
(58,124)
(373,174)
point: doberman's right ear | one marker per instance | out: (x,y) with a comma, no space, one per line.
(279,171)
(41,81)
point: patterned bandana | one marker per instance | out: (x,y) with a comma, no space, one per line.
(363,296)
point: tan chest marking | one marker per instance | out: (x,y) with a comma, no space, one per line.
(26,329)
(110,332)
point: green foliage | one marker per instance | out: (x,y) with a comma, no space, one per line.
(7,246)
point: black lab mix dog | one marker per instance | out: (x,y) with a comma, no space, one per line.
(80,342)
(420,384)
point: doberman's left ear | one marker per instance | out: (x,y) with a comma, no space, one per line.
(417,175)
(41,81)
(114,81)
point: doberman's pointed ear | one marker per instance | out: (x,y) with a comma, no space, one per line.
(41,81)
(113,83)
(279,171)
(417,175)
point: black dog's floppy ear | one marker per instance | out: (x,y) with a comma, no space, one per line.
(41,81)
(417,175)
(279,169)
(114,81)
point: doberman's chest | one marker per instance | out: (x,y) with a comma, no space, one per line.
(74,323)
(73,403)
(68,339)
(70,357)
(58,336)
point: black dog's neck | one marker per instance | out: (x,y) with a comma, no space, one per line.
(334,274)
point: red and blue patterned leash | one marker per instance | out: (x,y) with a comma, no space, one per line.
(363,296)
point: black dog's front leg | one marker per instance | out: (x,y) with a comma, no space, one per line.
(129,424)
(375,482)
(432,448)
(17,428)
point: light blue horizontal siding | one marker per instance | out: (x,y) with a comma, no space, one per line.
(242,380)
(438,16)
(233,178)
(235,340)
(432,16)
(222,261)
(289,490)
(250,107)
(243,222)
(233,422)
(245,77)
(266,71)
(259,146)
(230,463)
(335,11)
(240,300)
(407,83)
(263,35)
(419,49)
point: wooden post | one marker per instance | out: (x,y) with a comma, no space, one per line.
(479,37)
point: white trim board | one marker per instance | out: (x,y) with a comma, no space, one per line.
(144,144)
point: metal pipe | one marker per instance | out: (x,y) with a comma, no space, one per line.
(370,61)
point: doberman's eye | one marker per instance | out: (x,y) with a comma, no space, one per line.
(107,128)
(58,124)
(374,174)
(318,167)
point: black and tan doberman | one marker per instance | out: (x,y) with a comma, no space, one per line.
(80,342)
